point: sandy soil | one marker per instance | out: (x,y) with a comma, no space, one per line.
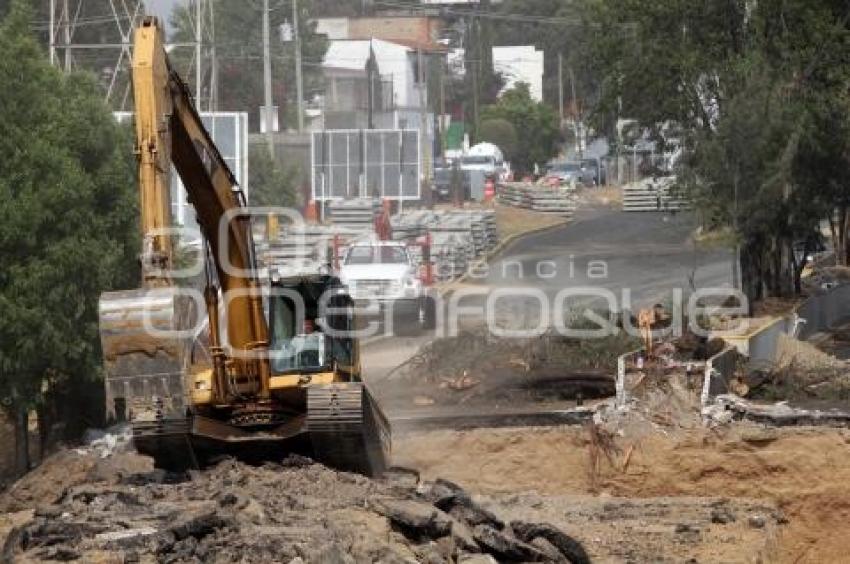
(805,472)
(512,221)
(604,195)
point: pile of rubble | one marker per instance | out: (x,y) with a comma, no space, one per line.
(293,511)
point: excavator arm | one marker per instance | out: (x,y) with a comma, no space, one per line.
(169,130)
(162,98)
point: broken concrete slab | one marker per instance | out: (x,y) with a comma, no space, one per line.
(416,518)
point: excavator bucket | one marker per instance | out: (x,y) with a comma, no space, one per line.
(145,352)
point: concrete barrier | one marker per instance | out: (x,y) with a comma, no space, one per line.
(622,396)
(824,311)
(719,369)
(650,195)
(761,344)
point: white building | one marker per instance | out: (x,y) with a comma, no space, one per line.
(395,61)
(521,63)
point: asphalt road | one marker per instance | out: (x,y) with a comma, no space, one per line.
(648,254)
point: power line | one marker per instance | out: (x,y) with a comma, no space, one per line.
(519,18)
(507,17)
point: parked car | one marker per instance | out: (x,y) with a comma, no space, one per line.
(595,170)
(442,181)
(572,172)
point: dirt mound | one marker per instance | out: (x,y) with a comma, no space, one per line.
(804,472)
(274,513)
(107,458)
(476,368)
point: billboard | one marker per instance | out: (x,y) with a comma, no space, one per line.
(360,163)
(229,132)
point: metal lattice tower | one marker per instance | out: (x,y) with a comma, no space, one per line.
(101,41)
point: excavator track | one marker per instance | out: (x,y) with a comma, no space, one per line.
(347,428)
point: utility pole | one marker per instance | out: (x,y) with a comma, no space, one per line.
(442,106)
(267,79)
(299,84)
(561,88)
(476,68)
(198,20)
(577,115)
(213,102)
(370,87)
(52,36)
(424,148)
(475,99)
(67,36)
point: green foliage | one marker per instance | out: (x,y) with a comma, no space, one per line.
(759,92)
(501,133)
(535,124)
(68,219)
(271,184)
(239,42)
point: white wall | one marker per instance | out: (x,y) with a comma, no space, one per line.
(521,63)
(394,60)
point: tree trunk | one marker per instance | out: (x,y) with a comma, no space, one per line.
(839,235)
(751,278)
(20,420)
(842,235)
(44,423)
(784,267)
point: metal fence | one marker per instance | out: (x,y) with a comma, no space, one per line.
(361,163)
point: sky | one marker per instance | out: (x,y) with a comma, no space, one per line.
(162,9)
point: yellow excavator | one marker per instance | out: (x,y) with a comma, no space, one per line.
(253,369)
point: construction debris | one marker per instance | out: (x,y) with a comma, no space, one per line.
(277,512)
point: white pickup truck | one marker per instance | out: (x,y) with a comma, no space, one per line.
(382,277)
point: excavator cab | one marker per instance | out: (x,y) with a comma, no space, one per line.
(303,338)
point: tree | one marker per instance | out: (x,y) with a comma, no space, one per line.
(502,133)
(749,85)
(271,184)
(535,124)
(239,52)
(67,223)
(95,26)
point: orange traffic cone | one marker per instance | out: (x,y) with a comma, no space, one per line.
(311,212)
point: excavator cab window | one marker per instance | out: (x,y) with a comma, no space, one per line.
(296,345)
(342,323)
